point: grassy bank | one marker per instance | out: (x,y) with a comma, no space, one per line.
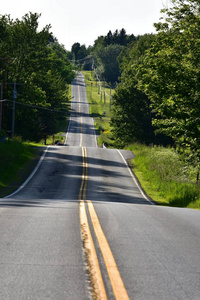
(165,176)
(14,157)
(100,107)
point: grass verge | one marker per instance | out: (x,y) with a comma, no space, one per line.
(100,108)
(16,162)
(165,177)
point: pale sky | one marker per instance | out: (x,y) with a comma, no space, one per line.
(84,20)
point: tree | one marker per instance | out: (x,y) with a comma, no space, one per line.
(75,49)
(108,58)
(132,114)
(108,38)
(122,37)
(171,74)
(41,69)
(106,52)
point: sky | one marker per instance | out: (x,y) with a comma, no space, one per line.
(83,21)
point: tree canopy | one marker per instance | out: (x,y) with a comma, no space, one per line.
(103,55)
(167,73)
(40,67)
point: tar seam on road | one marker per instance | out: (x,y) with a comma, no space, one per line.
(118,287)
(117,284)
(98,289)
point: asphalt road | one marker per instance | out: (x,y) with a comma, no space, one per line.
(42,252)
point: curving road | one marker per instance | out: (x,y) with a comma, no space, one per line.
(142,251)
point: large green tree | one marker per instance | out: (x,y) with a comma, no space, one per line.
(171,72)
(132,114)
(39,64)
(108,59)
(167,73)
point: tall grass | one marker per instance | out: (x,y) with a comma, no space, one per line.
(13,157)
(165,176)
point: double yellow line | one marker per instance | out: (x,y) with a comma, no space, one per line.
(98,287)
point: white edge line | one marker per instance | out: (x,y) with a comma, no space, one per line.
(69,125)
(95,136)
(31,176)
(134,179)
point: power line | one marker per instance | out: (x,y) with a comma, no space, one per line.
(35,106)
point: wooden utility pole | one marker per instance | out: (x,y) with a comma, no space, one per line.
(13,112)
(4,91)
(1,103)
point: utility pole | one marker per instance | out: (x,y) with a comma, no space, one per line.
(13,111)
(4,92)
(1,103)
(110,98)
(104,92)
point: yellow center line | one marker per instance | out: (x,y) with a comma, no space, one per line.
(99,292)
(117,284)
(113,272)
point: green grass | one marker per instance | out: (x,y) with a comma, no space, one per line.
(165,176)
(100,108)
(14,156)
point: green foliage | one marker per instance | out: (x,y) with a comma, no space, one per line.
(13,157)
(81,56)
(164,68)
(170,76)
(118,37)
(132,114)
(106,53)
(108,58)
(78,51)
(2,134)
(40,66)
(165,176)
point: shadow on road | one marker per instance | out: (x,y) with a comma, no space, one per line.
(59,180)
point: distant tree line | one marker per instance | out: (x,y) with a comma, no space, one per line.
(103,55)
(41,69)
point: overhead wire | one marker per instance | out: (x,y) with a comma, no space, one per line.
(34,106)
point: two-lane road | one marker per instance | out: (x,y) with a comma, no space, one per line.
(80,228)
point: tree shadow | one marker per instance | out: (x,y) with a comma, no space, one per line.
(59,178)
